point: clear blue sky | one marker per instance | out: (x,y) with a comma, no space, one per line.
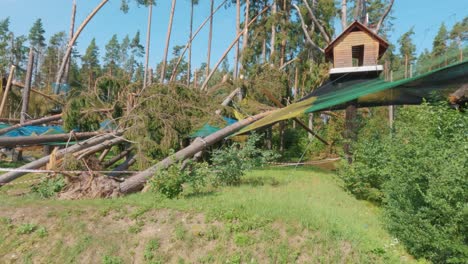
(425,15)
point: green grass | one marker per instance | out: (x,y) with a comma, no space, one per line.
(279,215)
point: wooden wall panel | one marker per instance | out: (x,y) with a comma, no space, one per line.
(343,49)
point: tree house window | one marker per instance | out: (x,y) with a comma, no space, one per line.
(358,55)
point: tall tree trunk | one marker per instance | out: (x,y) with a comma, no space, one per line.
(189,61)
(7,88)
(344,15)
(245,38)
(236,56)
(264,51)
(273,31)
(350,129)
(72,32)
(75,37)
(168,40)
(27,86)
(148,43)
(210,38)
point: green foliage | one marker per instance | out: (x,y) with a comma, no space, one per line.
(150,250)
(231,163)
(25,229)
(169,182)
(36,34)
(73,118)
(419,171)
(49,187)
(112,260)
(369,171)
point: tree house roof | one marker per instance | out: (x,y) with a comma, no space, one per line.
(356,26)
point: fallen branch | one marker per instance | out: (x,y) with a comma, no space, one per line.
(136,182)
(12,175)
(37,140)
(106,144)
(113,160)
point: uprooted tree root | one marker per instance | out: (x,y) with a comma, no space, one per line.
(89,185)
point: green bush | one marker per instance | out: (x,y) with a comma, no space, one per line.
(231,163)
(49,187)
(369,171)
(419,172)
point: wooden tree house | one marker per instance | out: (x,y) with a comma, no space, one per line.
(357,50)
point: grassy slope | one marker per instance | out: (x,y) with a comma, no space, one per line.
(277,216)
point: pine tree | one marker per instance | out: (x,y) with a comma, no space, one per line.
(459,35)
(407,49)
(90,63)
(36,35)
(440,41)
(112,56)
(4,44)
(53,56)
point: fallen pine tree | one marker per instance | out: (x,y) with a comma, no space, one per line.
(37,140)
(12,175)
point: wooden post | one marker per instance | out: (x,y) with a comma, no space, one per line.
(391,114)
(7,88)
(27,86)
(350,134)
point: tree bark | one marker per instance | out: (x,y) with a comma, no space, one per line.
(210,38)
(37,140)
(75,37)
(7,88)
(12,175)
(245,38)
(273,31)
(350,129)
(344,15)
(168,40)
(27,86)
(236,56)
(106,144)
(148,42)
(72,32)
(118,157)
(189,60)
(137,181)
(387,11)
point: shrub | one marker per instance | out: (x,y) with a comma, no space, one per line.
(49,187)
(369,170)
(231,163)
(419,174)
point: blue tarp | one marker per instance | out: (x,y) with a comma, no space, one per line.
(34,130)
(207,129)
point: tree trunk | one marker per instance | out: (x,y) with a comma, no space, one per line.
(37,140)
(7,88)
(168,40)
(189,60)
(350,129)
(118,157)
(273,31)
(205,83)
(236,56)
(245,38)
(27,86)
(148,42)
(91,150)
(137,181)
(12,175)
(72,32)
(210,38)
(75,37)
(344,15)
